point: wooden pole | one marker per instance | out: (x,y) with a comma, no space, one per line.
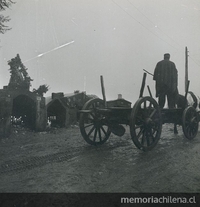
(186,69)
(149,91)
(143,85)
(148,72)
(187,88)
(103,91)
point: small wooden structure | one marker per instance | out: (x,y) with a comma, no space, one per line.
(120,102)
(62,109)
(59,113)
(18,103)
(23,104)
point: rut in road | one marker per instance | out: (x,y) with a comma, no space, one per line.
(38,161)
(32,162)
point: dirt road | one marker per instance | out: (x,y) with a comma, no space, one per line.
(61,161)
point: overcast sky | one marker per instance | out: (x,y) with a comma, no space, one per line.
(113,38)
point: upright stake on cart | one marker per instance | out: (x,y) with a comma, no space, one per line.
(103,91)
(143,85)
(187,88)
(149,91)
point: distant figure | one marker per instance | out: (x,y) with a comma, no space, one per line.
(166,77)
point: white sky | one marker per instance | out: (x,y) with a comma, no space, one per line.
(113,38)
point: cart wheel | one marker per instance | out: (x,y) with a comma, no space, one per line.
(92,123)
(190,122)
(145,123)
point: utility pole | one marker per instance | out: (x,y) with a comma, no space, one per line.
(186,68)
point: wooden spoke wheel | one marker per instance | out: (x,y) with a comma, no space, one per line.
(93,124)
(145,123)
(190,122)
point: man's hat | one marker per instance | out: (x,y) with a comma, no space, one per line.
(166,55)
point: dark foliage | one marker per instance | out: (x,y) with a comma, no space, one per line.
(41,90)
(4,4)
(19,78)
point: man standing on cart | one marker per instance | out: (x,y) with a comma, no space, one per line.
(166,77)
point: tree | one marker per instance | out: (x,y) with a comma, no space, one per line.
(19,78)
(41,90)
(4,4)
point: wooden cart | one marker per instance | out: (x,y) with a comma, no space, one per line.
(145,120)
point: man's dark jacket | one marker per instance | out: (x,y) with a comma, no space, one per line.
(166,77)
